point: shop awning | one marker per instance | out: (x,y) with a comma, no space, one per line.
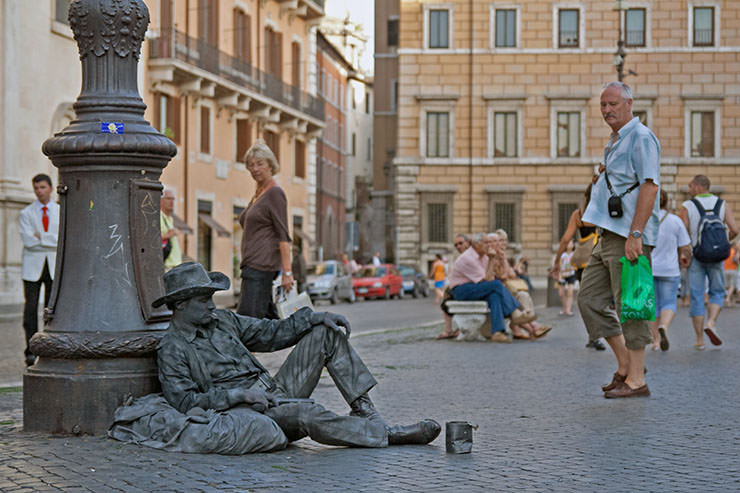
(303,235)
(220,230)
(182,225)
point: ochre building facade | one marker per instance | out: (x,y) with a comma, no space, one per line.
(498,111)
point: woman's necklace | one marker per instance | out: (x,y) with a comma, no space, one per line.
(260,191)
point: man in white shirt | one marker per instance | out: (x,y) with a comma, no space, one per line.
(39,228)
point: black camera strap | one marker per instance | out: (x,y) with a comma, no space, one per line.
(611,190)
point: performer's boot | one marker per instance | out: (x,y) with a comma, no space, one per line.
(420,433)
(363,407)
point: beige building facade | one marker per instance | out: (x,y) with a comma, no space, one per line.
(215,75)
(498,110)
(219,75)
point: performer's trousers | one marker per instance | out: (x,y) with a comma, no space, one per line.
(298,377)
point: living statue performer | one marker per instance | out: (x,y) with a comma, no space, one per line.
(218,398)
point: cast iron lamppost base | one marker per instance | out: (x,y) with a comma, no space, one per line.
(98,346)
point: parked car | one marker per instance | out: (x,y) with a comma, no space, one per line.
(414,281)
(382,281)
(331,281)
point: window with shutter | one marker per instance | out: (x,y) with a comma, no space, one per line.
(296,64)
(243,138)
(205,130)
(300,158)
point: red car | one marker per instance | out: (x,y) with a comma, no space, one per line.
(378,281)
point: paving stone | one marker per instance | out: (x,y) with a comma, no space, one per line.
(543,426)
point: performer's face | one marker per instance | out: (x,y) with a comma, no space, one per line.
(198,310)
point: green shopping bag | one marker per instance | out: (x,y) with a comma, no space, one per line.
(638,290)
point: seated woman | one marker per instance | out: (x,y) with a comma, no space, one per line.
(504,272)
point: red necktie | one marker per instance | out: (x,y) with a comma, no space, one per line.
(45,219)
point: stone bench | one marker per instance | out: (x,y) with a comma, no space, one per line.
(471,319)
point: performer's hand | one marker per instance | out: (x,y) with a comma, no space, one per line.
(632,248)
(555,272)
(259,399)
(333,321)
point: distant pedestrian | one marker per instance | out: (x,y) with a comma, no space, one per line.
(672,251)
(376,261)
(170,234)
(702,271)
(624,204)
(587,238)
(731,271)
(350,264)
(567,280)
(39,228)
(439,276)
(298,266)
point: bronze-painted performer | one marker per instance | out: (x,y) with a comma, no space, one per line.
(226,402)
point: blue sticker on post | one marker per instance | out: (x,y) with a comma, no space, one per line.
(111,128)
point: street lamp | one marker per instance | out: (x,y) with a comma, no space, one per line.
(620,6)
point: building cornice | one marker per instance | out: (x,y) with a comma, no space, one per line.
(702,97)
(437,97)
(565,51)
(436,188)
(549,161)
(504,97)
(505,188)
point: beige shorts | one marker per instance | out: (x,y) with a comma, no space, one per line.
(599,298)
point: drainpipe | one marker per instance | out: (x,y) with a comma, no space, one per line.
(470,128)
(185,147)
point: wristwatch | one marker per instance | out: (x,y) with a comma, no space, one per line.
(636,234)
(287,273)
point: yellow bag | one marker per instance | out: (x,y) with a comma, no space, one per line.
(583,250)
(516,285)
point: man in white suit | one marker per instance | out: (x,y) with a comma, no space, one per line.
(39,232)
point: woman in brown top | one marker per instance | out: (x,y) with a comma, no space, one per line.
(266,240)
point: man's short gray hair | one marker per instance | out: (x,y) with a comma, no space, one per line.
(260,150)
(492,235)
(478,237)
(502,234)
(626,91)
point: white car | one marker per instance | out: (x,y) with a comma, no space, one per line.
(331,281)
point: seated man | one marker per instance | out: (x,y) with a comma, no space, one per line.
(472,280)
(226,402)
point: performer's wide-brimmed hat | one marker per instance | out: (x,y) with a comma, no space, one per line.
(188,280)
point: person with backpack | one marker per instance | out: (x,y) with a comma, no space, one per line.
(707,218)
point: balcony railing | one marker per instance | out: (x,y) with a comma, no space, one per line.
(178,45)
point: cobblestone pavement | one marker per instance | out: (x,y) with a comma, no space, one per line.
(543,426)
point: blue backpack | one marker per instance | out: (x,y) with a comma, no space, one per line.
(713,245)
